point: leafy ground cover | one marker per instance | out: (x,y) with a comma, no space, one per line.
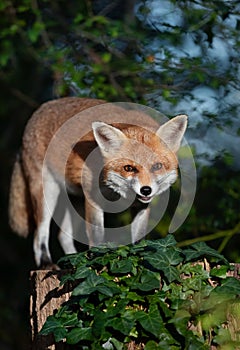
(153,294)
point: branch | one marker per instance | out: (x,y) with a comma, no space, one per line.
(219,234)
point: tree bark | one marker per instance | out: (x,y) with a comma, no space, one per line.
(45,297)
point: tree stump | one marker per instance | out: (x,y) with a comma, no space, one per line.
(45,297)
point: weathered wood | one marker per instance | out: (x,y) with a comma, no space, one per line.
(45,297)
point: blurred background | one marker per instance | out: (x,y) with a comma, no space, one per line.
(175,56)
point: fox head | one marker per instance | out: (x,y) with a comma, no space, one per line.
(138,160)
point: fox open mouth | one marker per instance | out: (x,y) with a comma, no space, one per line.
(144,199)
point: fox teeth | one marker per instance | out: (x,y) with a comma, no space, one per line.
(144,199)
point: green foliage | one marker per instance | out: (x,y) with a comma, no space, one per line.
(86,52)
(152,293)
(110,56)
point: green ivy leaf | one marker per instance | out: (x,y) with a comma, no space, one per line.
(140,247)
(66,278)
(67,318)
(166,262)
(220,272)
(117,344)
(78,334)
(164,243)
(55,326)
(152,345)
(149,280)
(100,322)
(151,321)
(122,324)
(103,259)
(195,343)
(200,249)
(230,286)
(108,290)
(121,266)
(88,286)
(133,296)
(73,259)
(158,299)
(123,251)
(180,320)
(115,308)
(171,257)
(83,272)
(167,343)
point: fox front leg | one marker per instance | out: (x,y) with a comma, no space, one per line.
(139,224)
(94,218)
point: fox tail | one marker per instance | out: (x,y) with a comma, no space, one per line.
(20,208)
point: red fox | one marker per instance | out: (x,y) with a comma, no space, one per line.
(136,157)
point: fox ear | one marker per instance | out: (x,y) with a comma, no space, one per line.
(108,138)
(172,132)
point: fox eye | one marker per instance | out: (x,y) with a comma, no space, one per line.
(156,166)
(130,168)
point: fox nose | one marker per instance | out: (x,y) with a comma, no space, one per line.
(145,190)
